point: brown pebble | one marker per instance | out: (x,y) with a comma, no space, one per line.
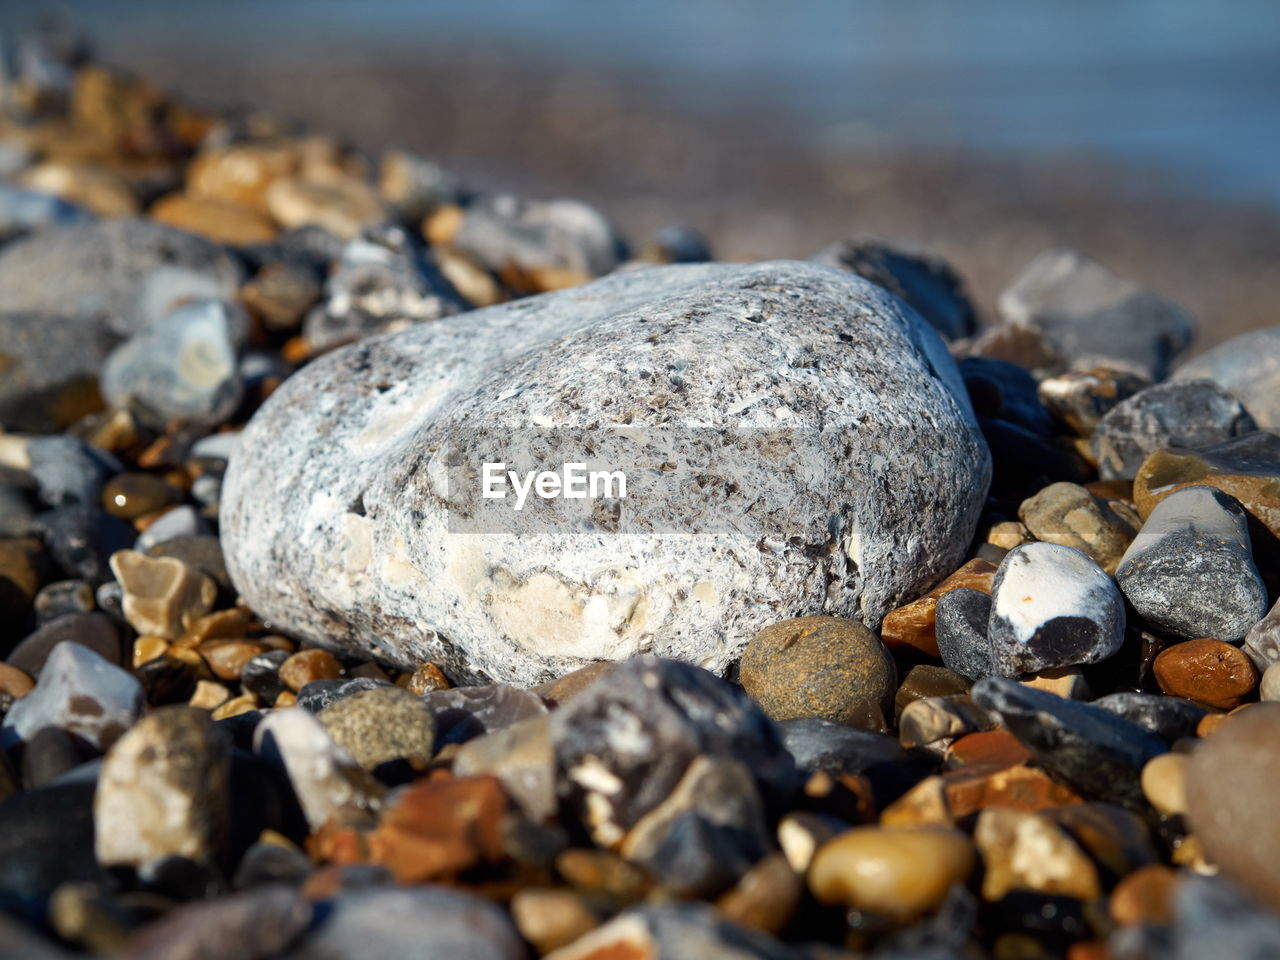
(307,665)
(915,625)
(14,682)
(996,749)
(209,695)
(550,919)
(131,495)
(226,658)
(1210,672)
(426,678)
(162,595)
(1145,897)
(147,648)
(928,680)
(233,708)
(1164,783)
(765,897)
(230,624)
(603,871)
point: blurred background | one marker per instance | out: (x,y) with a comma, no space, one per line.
(1144,133)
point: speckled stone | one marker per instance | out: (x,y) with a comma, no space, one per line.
(1069,515)
(381,725)
(1190,572)
(116,275)
(355,549)
(1087,316)
(1248,367)
(164,791)
(1182,413)
(820,667)
(963,645)
(1051,606)
(1232,782)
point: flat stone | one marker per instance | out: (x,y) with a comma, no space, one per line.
(622,746)
(915,624)
(1051,606)
(180,367)
(342,205)
(1247,468)
(162,595)
(358,557)
(1087,316)
(901,873)
(1091,750)
(115,275)
(825,667)
(1246,366)
(1191,414)
(381,725)
(1069,515)
(50,371)
(1231,783)
(995,749)
(79,692)
(164,792)
(926,283)
(1190,572)
(326,779)
(1026,851)
(96,631)
(1079,399)
(431,923)
(265,922)
(1170,718)
(1206,671)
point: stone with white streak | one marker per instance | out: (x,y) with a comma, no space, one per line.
(1051,606)
(339,524)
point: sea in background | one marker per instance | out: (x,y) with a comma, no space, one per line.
(1145,132)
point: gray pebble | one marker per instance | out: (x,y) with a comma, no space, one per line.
(49,370)
(181,521)
(1246,366)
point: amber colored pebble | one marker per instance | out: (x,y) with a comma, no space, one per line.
(14,682)
(307,665)
(914,625)
(285,698)
(603,871)
(1086,950)
(1112,489)
(230,624)
(550,919)
(969,789)
(765,897)
(1164,783)
(996,749)
(426,678)
(147,648)
(226,658)
(442,224)
(233,708)
(131,495)
(1210,723)
(1210,672)
(1145,897)
(295,350)
(209,695)
(273,641)
(438,828)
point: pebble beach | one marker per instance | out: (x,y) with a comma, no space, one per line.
(920,628)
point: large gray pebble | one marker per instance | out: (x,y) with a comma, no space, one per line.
(503,231)
(1248,367)
(117,275)
(48,370)
(337,525)
(1089,317)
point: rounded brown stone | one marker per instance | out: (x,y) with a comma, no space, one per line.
(226,658)
(1164,783)
(1232,784)
(1145,897)
(1210,672)
(915,624)
(426,678)
(307,665)
(131,495)
(218,220)
(898,872)
(825,667)
(14,682)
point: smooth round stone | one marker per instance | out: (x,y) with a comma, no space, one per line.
(1232,782)
(381,725)
(130,495)
(1145,897)
(1164,783)
(1269,688)
(308,665)
(1190,572)
(335,529)
(1080,398)
(901,873)
(820,667)
(1206,671)
(1183,413)
(1262,642)
(96,631)
(1051,606)
(1246,366)
(1069,515)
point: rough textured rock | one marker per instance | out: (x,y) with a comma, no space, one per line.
(356,549)
(1051,606)
(926,283)
(117,275)
(820,667)
(1232,783)
(1246,366)
(1190,572)
(164,791)
(1183,413)
(380,725)
(1089,317)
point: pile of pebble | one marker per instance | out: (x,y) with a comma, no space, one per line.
(1005,692)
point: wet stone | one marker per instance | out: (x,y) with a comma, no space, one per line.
(1190,572)
(1052,607)
(1190,414)
(1069,515)
(825,667)
(130,495)
(80,692)
(1093,751)
(164,791)
(644,728)
(1079,399)
(382,725)
(1206,671)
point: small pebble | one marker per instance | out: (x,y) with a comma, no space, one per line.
(162,595)
(962,617)
(915,625)
(1025,851)
(1069,515)
(1145,897)
(131,495)
(1206,671)
(381,725)
(931,719)
(308,665)
(1164,783)
(550,919)
(1269,688)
